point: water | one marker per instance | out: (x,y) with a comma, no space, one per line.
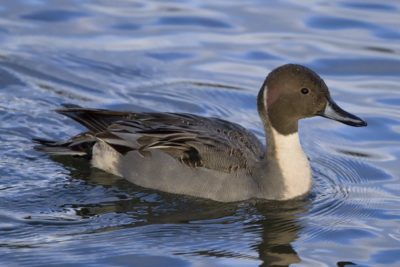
(208,58)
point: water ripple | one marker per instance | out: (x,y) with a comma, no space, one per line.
(209,58)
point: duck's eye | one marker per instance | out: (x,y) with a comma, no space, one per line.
(305,91)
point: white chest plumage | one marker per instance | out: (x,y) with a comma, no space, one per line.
(293,164)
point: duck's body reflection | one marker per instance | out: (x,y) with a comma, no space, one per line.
(280,226)
(276,224)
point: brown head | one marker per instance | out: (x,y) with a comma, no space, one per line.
(292,92)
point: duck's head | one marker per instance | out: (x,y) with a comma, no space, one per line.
(292,92)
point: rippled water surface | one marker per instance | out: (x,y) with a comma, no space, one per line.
(207,58)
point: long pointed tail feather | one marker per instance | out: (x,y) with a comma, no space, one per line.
(95,120)
(80,145)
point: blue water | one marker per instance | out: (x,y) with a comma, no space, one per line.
(208,58)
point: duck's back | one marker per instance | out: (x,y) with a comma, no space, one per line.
(177,153)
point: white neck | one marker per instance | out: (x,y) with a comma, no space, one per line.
(292,163)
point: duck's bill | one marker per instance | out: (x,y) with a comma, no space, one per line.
(334,112)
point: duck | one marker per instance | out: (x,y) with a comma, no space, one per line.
(208,157)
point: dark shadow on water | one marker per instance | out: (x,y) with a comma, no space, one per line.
(276,223)
(193,21)
(57,15)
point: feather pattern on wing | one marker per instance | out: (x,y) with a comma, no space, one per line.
(193,140)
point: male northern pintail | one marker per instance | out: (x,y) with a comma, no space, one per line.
(210,157)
